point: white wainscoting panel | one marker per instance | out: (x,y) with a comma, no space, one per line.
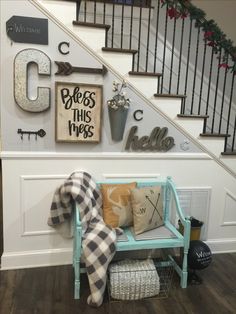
(36,199)
(229,212)
(195,201)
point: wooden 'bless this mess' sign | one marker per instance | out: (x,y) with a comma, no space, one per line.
(78,112)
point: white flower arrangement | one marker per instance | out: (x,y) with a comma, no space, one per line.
(119,100)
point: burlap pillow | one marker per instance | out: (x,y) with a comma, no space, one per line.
(117,210)
(147,204)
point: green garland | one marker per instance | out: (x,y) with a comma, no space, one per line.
(213,35)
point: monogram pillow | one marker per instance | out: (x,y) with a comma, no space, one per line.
(117,210)
(147,204)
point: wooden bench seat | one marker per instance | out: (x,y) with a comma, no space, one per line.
(163,237)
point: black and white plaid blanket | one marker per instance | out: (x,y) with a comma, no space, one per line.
(98,240)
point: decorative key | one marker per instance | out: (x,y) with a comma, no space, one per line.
(65,68)
(40,133)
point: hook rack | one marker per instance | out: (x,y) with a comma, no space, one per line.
(40,133)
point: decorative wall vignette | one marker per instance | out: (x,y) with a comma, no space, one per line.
(157,141)
(78,112)
(21,62)
(65,68)
(63,43)
(23,29)
(118,107)
(40,133)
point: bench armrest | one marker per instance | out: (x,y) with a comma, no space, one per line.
(184,220)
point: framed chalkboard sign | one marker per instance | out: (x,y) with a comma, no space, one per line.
(78,112)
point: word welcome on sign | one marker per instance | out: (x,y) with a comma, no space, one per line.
(78,112)
(24,29)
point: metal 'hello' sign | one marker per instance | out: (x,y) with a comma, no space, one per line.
(157,141)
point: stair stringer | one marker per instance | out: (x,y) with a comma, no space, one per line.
(121,76)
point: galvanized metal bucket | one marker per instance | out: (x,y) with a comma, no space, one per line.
(117,119)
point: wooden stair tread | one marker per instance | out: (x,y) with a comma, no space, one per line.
(214,135)
(145,73)
(89,24)
(108,49)
(194,116)
(229,153)
(170,96)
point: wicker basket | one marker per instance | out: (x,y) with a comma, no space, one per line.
(138,279)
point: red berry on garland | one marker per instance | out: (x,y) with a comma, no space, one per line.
(208,34)
(172,13)
(184,15)
(211,44)
(223,65)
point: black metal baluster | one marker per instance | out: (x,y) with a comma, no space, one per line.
(139,36)
(112,23)
(187,66)
(223,97)
(78,3)
(195,70)
(164,50)
(104,13)
(131,27)
(95,12)
(172,54)
(234,134)
(202,78)
(209,81)
(156,39)
(122,26)
(229,112)
(148,36)
(216,92)
(180,55)
(85,11)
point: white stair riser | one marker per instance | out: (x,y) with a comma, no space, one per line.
(146,85)
(215,145)
(120,62)
(171,107)
(57,9)
(193,126)
(94,37)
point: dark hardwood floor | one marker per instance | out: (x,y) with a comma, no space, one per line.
(50,290)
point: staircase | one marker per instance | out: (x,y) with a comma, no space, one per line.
(166,61)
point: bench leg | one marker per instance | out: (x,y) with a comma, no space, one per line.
(77,280)
(77,290)
(184,275)
(76,261)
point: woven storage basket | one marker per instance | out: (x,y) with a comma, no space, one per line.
(133,279)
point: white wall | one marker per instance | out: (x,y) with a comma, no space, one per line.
(31,174)
(223,12)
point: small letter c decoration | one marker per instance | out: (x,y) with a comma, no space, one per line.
(138,112)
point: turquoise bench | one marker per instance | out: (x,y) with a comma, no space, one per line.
(164,237)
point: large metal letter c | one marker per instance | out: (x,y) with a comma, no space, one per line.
(22,59)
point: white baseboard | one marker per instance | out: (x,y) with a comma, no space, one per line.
(222,245)
(39,258)
(55,257)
